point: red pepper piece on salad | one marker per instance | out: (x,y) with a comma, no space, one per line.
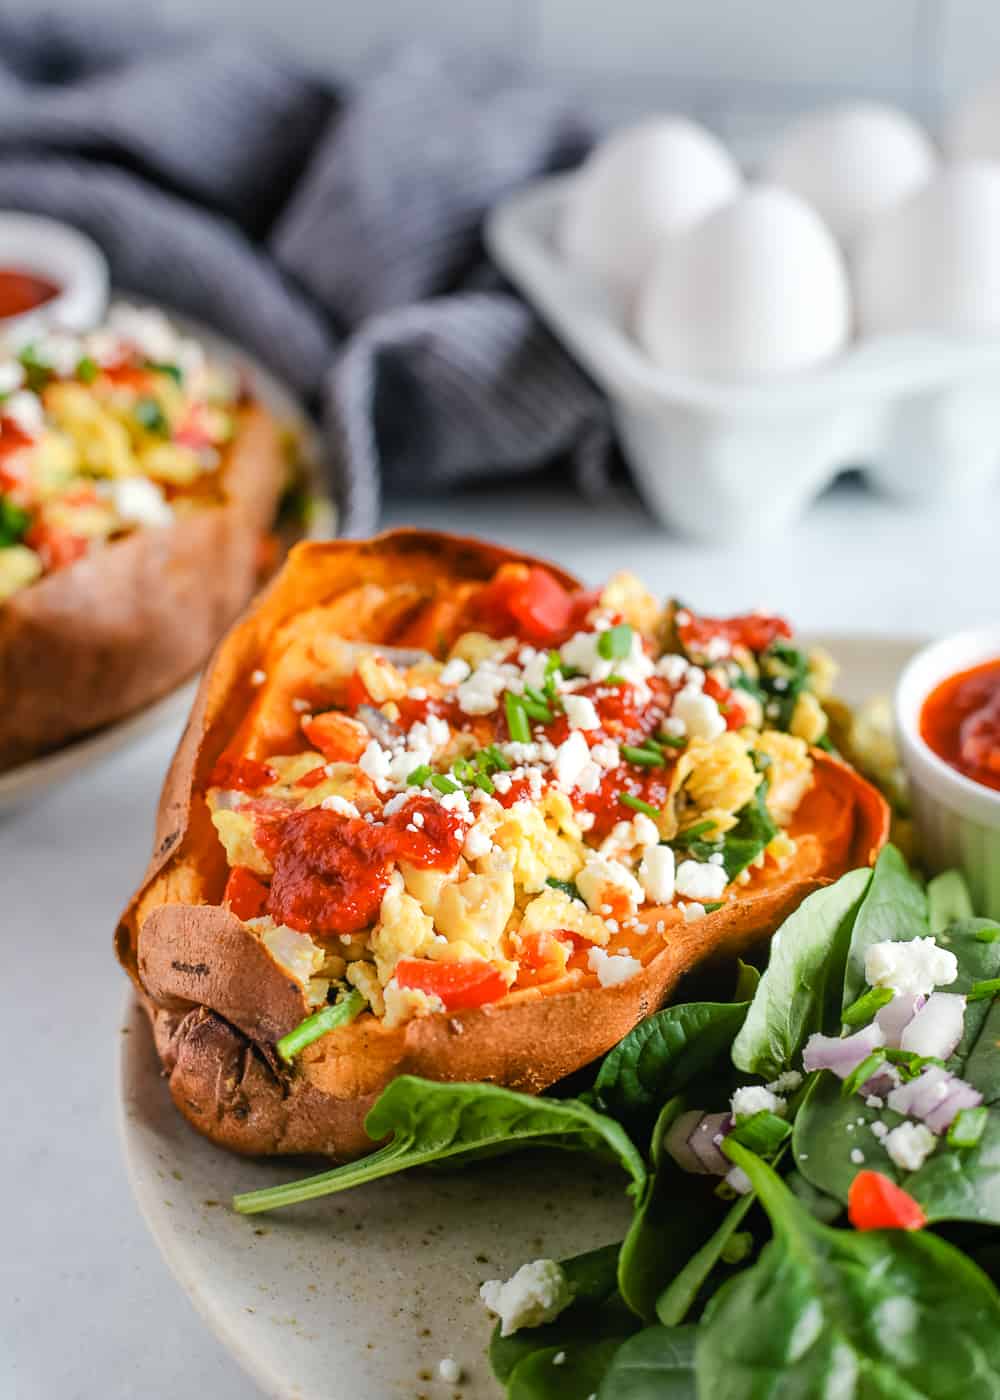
(876,1203)
(460,985)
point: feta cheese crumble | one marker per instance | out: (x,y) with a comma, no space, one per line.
(754,1098)
(656,874)
(909,1145)
(914,968)
(449,1370)
(614,968)
(536,1294)
(701,881)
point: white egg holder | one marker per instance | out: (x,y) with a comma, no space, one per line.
(920,414)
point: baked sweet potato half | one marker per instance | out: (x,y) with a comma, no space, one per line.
(135,492)
(475,818)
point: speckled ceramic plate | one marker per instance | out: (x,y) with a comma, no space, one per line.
(30,780)
(360,1295)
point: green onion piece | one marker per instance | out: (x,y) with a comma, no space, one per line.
(860,1012)
(988,935)
(692,833)
(419,775)
(463,770)
(149,415)
(646,758)
(517,720)
(714,904)
(968,1126)
(536,695)
(614,679)
(637,804)
(328,1019)
(737,1248)
(483,782)
(615,643)
(567,887)
(541,713)
(983,991)
(444,784)
(87,369)
(497,759)
(864,1071)
(763,1133)
(672,741)
(161,367)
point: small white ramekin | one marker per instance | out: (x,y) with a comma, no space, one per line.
(63,255)
(958,820)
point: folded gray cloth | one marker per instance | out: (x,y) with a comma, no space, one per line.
(336,236)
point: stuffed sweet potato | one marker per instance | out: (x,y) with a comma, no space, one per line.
(481,818)
(136,486)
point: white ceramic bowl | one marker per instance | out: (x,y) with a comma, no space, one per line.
(958,819)
(64,256)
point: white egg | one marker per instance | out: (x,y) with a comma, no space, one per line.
(757,289)
(852,163)
(973,132)
(933,263)
(642,183)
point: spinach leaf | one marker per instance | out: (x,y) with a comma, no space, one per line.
(843,1315)
(801,990)
(13,522)
(676,1213)
(784,674)
(948,900)
(580,1369)
(954,1183)
(747,981)
(596,1314)
(743,842)
(677,1299)
(656,1364)
(431,1122)
(893,910)
(663,1055)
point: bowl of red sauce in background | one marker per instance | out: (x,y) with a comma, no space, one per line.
(948,721)
(51,275)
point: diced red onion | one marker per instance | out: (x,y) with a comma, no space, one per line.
(842,1054)
(690,1141)
(921,1096)
(894,1018)
(961,1096)
(378,725)
(882,1083)
(937,1027)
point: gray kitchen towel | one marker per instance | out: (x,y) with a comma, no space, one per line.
(336,235)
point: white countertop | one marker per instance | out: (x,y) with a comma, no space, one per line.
(88,1310)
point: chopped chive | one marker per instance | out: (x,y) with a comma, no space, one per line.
(763,1133)
(419,775)
(567,887)
(485,783)
(463,770)
(614,679)
(536,695)
(615,643)
(498,759)
(988,935)
(968,1127)
(672,741)
(541,713)
(711,907)
(637,804)
(318,1024)
(860,1012)
(737,1248)
(87,369)
(444,784)
(863,1072)
(645,758)
(983,991)
(517,720)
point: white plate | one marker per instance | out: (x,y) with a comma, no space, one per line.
(360,1295)
(29,780)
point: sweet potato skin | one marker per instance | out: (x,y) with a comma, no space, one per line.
(122,627)
(216,1007)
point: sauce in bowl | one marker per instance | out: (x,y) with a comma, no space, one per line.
(23,291)
(960,721)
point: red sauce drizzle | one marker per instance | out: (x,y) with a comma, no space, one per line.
(23,291)
(755,631)
(330,871)
(241,774)
(960,721)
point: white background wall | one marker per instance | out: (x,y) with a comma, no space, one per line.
(740,64)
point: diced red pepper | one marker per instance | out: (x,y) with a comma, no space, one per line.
(58,548)
(876,1203)
(732,711)
(245,895)
(338,737)
(357,693)
(313,778)
(527,601)
(460,985)
(755,631)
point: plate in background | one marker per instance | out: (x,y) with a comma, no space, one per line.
(362,1294)
(30,780)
